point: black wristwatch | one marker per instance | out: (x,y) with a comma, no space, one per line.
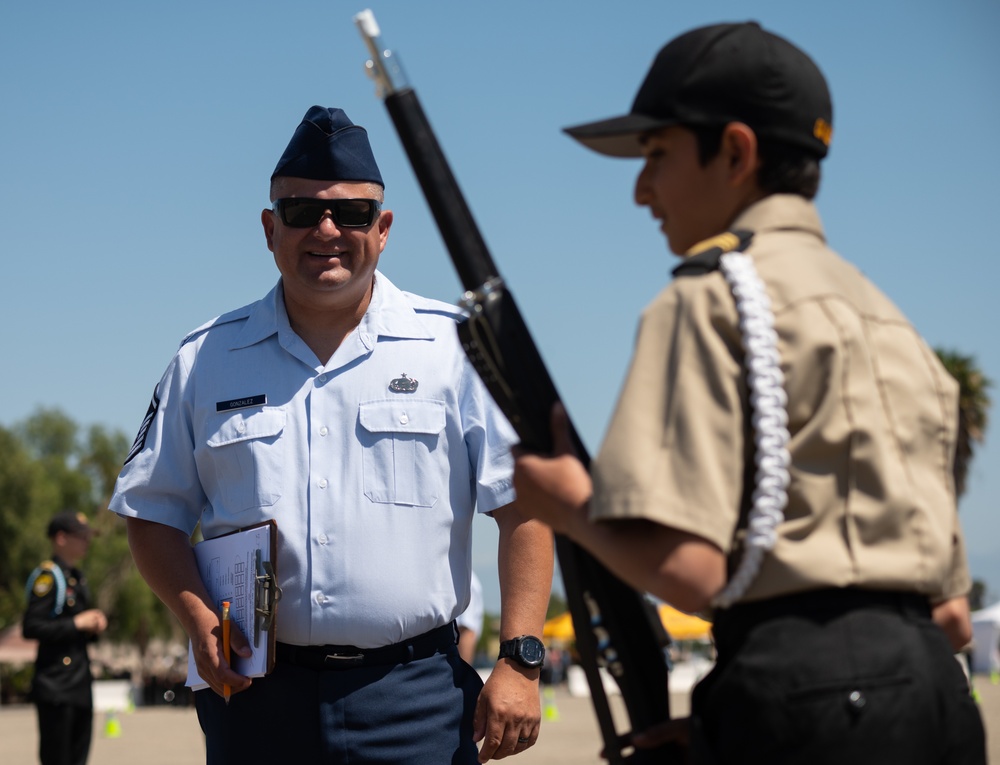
(526,650)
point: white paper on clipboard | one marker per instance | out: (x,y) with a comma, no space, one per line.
(240,567)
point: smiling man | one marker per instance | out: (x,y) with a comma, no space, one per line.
(345,410)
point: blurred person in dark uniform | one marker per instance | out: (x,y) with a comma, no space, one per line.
(60,617)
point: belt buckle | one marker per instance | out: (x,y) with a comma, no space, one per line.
(343,660)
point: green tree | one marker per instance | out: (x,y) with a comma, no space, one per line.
(45,466)
(557,605)
(27,500)
(973,416)
(973,410)
(977,595)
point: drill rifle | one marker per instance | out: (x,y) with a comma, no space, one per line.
(615,627)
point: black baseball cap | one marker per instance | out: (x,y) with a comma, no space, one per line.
(718,74)
(71,523)
(327,146)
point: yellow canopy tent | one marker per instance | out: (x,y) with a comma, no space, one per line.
(682,626)
(559,627)
(679,625)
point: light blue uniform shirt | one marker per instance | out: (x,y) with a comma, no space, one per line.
(373,490)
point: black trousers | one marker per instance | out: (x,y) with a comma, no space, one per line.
(836,676)
(64,733)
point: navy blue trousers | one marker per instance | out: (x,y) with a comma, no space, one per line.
(419,713)
(836,683)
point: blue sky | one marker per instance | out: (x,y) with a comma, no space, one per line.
(137,140)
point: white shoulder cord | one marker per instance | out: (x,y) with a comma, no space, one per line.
(768,404)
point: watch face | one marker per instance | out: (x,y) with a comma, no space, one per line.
(531,651)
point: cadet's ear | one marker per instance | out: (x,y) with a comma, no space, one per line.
(739,146)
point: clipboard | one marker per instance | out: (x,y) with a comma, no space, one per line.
(241,567)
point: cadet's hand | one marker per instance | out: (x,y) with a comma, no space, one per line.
(553,489)
(677,731)
(508,711)
(210,660)
(92,620)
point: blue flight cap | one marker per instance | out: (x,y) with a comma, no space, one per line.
(327,146)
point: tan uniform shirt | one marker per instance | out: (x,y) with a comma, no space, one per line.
(872,418)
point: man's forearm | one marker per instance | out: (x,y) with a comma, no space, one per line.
(166,561)
(525,560)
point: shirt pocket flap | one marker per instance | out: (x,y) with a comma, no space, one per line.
(409,416)
(246,426)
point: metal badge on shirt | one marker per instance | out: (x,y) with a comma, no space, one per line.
(403,384)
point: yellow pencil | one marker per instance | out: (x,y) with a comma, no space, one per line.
(226,690)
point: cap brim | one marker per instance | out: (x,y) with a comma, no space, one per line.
(618,136)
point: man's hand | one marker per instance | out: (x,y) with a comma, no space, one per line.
(166,561)
(508,712)
(210,660)
(92,620)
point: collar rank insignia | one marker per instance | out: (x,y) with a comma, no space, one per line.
(403,384)
(704,257)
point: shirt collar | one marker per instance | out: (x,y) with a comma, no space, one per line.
(785,212)
(389,314)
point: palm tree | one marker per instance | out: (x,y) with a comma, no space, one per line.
(973,409)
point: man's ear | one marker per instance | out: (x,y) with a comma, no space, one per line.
(267,221)
(384,224)
(739,146)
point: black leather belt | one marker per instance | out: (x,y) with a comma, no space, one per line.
(732,625)
(334,657)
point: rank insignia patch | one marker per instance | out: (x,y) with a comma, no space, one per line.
(43,584)
(403,384)
(140,438)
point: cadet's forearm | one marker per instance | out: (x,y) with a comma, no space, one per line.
(166,561)
(683,569)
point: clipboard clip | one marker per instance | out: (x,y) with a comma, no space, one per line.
(267,594)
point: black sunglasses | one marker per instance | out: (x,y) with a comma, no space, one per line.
(304,212)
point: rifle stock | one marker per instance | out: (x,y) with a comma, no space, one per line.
(615,626)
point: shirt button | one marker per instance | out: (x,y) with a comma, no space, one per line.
(321,598)
(323,431)
(857,700)
(322,483)
(322,539)
(67,661)
(403,419)
(321,379)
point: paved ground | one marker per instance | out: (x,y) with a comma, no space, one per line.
(170,736)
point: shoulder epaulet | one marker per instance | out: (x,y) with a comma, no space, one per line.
(704,257)
(218,321)
(425,305)
(41,582)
